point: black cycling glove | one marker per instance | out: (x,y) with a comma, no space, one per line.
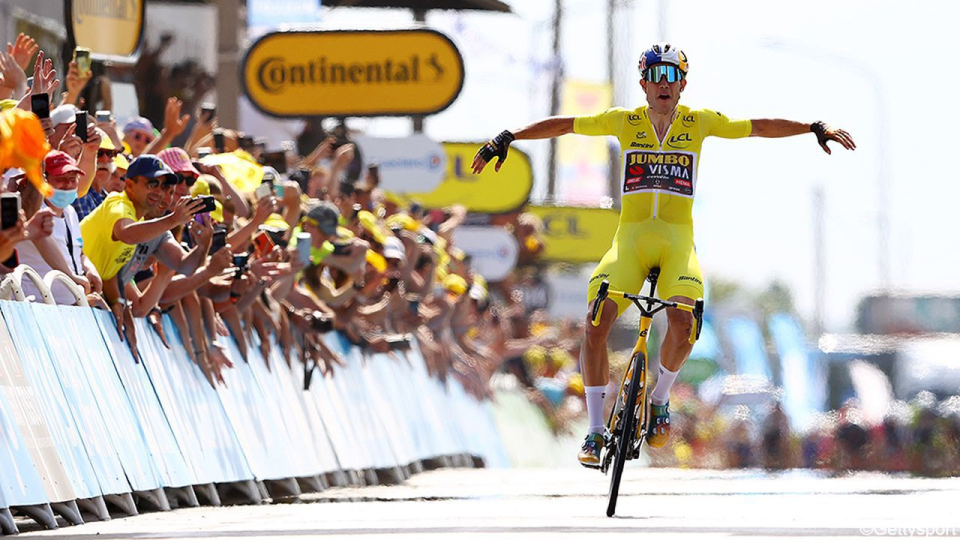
(819,128)
(498,147)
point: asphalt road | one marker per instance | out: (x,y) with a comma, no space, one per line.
(552,503)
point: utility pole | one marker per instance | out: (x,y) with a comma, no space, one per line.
(820,270)
(420,17)
(555,98)
(613,179)
(228,39)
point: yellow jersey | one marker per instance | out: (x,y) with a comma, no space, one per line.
(106,254)
(658,179)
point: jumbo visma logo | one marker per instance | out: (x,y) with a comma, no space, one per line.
(353,73)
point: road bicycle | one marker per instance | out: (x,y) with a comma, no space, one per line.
(627,425)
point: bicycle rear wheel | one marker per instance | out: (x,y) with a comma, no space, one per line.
(624,446)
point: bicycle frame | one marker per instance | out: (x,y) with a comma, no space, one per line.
(648,306)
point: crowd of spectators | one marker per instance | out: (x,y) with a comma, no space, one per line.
(920,437)
(270,249)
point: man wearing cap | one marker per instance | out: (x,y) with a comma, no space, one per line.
(63,174)
(96,191)
(112,231)
(61,119)
(169,252)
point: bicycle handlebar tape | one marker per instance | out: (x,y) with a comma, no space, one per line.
(698,313)
(598,304)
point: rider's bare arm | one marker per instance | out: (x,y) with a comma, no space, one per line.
(773,128)
(547,128)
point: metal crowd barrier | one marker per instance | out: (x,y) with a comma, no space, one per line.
(84,428)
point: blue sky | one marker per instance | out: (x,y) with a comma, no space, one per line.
(883,70)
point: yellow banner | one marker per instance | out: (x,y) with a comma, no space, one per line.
(486,193)
(584,161)
(576,235)
(238,169)
(353,73)
(110,29)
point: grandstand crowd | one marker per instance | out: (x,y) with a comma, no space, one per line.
(269,248)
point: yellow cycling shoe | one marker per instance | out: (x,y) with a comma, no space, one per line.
(658,428)
(589,455)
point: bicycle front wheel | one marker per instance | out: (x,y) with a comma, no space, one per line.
(628,419)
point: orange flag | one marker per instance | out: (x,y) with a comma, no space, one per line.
(23,144)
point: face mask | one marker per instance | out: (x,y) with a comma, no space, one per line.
(63,198)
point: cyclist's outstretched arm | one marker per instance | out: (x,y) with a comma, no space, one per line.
(773,128)
(547,128)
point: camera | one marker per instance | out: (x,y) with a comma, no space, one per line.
(209,204)
(241,261)
(321,322)
(398,342)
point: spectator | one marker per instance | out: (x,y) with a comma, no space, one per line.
(112,231)
(138,133)
(63,174)
(103,180)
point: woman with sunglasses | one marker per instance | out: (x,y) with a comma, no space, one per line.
(660,149)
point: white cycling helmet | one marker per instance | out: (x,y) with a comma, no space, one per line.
(663,53)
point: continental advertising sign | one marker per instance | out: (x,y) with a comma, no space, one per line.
(111,29)
(576,235)
(489,192)
(352,73)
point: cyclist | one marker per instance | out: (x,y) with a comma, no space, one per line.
(660,149)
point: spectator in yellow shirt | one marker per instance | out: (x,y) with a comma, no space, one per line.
(112,231)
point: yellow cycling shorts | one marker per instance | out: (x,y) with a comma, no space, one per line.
(638,247)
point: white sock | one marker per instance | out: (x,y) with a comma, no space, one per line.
(661,394)
(595,395)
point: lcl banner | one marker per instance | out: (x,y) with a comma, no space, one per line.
(489,192)
(575,234)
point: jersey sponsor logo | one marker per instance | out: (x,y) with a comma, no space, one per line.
(634,119)
(688,120)
(641,135)
(643,333)
(673,172)
(690,278)
(680,141)
(640,145)
(599,276)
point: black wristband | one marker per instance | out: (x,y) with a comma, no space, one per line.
(504,137)
(819,128)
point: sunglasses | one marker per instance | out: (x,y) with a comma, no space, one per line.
(142,137)
(187,179)
(656,74)
(152,183)
(103,152)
